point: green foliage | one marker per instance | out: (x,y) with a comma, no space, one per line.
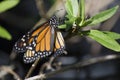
(82,11)
(62,26)
(72,13)
(4,6)
(4,33)
(105,39)
(113,35)
(7,4)
(76,15)
(72,8)
(102,16)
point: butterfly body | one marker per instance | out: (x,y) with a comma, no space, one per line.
(42,42)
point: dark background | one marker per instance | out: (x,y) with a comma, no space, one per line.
(25,15)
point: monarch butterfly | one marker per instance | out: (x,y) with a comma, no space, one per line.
(41,42)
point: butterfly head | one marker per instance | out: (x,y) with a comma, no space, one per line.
(54,21)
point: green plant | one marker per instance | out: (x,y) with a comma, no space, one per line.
(76,18)
(4,6)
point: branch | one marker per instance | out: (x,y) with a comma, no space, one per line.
(46,65)
(41,8)
(58,5)
(77,65)
(8,69)
(32,68)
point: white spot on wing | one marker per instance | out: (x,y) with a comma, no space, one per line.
(30,48)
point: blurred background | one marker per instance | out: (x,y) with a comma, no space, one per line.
(21,18)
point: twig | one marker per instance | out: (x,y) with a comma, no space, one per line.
(32,68)
(46,65)
(41,8)
(12,55)
(40,77)
(9,69)
(58,5)
(77,65)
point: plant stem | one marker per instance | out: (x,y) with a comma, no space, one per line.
(32,68)
(76,65)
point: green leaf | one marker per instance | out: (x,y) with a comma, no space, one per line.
(4,33)
(85,23)
(62,26)
(104,40)
(75,7)
(68,7)
(102,16)
(113,35)
(7,4)
(82,11)
(70,22)
(72,7)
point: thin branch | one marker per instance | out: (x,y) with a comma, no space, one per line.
(77,65)
(41,8)
(40,77)
(12,55)
(9,69)
(32,68)
(58,5)
(46,65)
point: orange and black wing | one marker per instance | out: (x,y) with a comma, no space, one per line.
(59,44)
(21,44)
(41,43)
(28,40)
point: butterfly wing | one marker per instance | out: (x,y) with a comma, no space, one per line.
(45,42)
(20,45)
(59,44)
(27,40)
(41,44)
